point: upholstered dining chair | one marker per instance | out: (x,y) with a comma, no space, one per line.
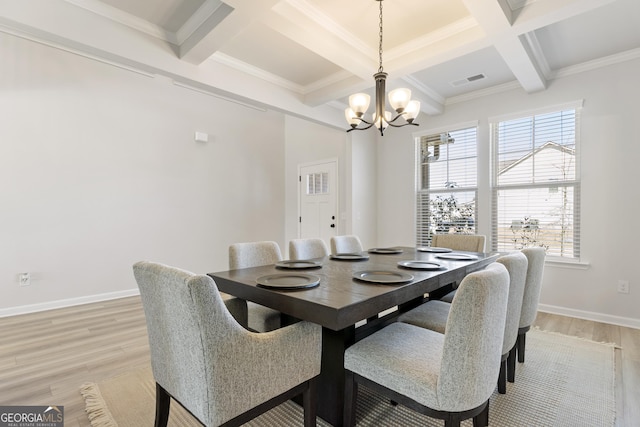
(448,376)
(347,244)
(254,254)
(302,249)
(434,315)
(223,374)
(532,287)
(458,242)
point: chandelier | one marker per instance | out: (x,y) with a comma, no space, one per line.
(400,100)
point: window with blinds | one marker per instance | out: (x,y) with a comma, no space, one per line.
(536,183)
(447,184)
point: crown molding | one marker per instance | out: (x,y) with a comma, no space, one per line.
(236,64)
(431,38)
(617,58)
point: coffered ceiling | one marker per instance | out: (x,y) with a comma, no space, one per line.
(306,56)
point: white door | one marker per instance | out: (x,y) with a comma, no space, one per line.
(318,198)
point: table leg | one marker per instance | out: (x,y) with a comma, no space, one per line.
(332,376)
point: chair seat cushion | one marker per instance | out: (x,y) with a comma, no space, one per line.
(261,318)
(430,315)
(448,297)
(402,357)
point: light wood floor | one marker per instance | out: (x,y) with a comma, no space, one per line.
(45,357)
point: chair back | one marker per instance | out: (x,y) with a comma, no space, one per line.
(179,360)
(459,242)
(473,337)
(253,254)
(516,264)
(301,249)
(533,285)
(346,244)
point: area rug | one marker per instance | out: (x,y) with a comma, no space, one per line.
(566,381)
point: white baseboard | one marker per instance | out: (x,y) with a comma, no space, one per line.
(545,308)
(589,315)
(51,305)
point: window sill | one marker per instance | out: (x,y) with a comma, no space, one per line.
(574,265)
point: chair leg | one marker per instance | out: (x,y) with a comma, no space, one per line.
(511,365)
(163,402)
(502,377)
(310,403)
(521,344)
(482,419)
(350,398)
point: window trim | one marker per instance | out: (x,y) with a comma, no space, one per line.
(417,173)
(493,122)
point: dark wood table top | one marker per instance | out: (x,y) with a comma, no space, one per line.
(340,300)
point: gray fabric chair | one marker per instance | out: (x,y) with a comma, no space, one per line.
(434,315)
(255,254)
(349,244)
(303,249)
(449,376)
(531,297)
(458,242)
(216,369)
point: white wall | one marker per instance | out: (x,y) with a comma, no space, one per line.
(308,142)
(610,149)
(99,169)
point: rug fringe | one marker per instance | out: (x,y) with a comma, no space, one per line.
(96,407)
(609,344)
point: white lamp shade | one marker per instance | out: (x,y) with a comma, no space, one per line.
(385,122)
(359,103)
(412,111)
(351,117)
(399,98)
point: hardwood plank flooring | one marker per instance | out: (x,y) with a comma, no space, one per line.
(46,356)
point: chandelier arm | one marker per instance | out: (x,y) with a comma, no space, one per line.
(396,117)
(393,125)
(364,128)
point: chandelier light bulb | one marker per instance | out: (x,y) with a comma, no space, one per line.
(359,103)
(399,98)
(412,111)
(351,117)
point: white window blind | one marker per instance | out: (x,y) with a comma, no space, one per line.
(536,183)
(447,184)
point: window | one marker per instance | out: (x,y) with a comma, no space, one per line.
(317,183)
(447,184)
(536,183)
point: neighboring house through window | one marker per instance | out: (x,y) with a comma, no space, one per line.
(536,182)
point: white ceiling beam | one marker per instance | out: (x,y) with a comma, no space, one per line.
(307,26)
(541,13)
(225,21)
(496,22)
(56,25)
(455,40)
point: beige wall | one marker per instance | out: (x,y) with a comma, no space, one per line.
(609,152)
(99,169)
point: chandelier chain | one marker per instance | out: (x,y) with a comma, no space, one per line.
(380,46)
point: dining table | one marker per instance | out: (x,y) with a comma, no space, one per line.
(350,296)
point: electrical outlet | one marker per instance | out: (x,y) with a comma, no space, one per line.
(623,286)
(25,279)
